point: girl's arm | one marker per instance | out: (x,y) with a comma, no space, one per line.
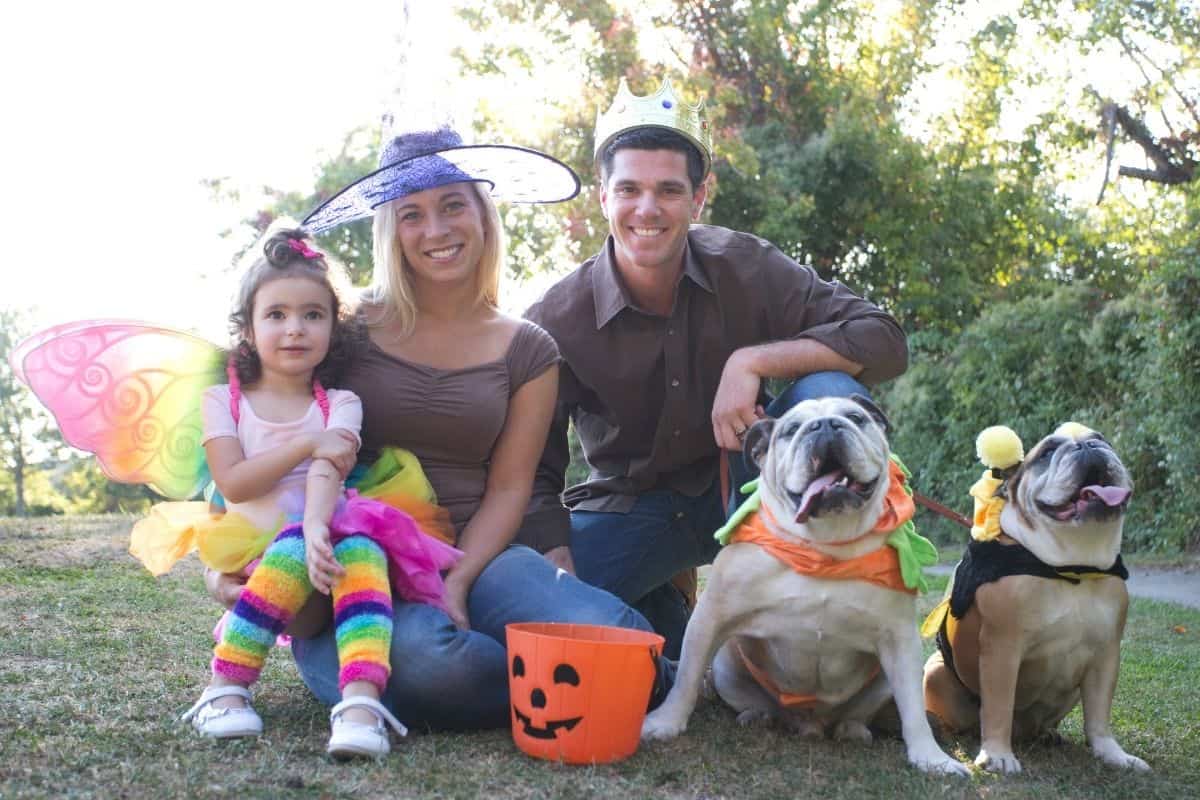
(241,479)
(509,483)
(321,493)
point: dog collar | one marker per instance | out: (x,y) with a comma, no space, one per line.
(904,552)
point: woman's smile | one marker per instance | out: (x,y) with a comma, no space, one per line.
(444,253)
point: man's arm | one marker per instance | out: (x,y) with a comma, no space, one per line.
(734,407)
(814,325)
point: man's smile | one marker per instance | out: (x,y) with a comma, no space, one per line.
(646,233)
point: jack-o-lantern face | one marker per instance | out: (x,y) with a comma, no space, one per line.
(564,680)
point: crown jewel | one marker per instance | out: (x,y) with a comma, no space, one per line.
(663,109)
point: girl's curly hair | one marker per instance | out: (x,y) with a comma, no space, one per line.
(287,253)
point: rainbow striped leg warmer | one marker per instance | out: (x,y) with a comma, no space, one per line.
(274,593)
(362,613)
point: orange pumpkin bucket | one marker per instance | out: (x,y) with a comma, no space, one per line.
(579,692)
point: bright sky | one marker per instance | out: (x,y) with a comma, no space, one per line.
(117,111)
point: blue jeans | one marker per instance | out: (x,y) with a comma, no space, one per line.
(635,554)
(446,678)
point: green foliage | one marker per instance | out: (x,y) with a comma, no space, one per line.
(350,244)
(1129,368)
(27,434)
(80,487)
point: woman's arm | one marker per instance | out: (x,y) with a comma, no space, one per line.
(509,484)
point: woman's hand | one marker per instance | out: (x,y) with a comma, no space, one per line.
(225,587)
(561,557)
(323,567)
(338,447)
(457,589)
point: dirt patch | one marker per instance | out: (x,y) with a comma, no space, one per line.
(64,541)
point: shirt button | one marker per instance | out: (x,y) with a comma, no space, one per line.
(670,331)
(676,432)
(674,382)
(679,515)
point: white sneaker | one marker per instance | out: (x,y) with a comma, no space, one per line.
(348,739)
(224,723)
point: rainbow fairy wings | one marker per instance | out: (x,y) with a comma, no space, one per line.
(128,392)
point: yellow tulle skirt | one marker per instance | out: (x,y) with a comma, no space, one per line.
(227,542)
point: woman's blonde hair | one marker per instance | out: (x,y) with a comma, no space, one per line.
(391,290)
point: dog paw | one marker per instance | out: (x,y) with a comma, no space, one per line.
(753,716)
(941,764)
(1006,763)
(806,728)
(661,726)
(1108,751)
(852,731)
(1050,738)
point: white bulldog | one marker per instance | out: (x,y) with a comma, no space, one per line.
(817,653)
(1036,615)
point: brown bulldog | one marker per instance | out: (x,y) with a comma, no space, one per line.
(815,652)
(1036,613)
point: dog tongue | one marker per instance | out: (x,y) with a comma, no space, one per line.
(815,488)
(1110,495)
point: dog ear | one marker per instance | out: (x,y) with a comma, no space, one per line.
(874,410)
(758,436)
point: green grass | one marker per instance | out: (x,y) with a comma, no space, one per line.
(98,659)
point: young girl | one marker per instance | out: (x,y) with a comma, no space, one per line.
(276,444)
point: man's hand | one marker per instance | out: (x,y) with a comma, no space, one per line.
(323,566)
(338,447)
(735,407)
(561,557)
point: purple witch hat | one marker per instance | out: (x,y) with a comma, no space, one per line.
(414,162)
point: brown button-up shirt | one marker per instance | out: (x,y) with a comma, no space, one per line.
(640,386)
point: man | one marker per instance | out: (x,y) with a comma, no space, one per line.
(667,336)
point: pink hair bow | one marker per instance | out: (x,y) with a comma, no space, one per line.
(301,247)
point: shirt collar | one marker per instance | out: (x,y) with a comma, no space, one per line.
(610,294)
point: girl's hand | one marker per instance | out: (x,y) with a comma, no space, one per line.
(338,447)
(456,600)
(323,567)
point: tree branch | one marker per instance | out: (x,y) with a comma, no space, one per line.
(1167,170)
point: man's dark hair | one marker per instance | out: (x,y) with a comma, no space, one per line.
(650,138)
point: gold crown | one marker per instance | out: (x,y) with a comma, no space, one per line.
(663,109)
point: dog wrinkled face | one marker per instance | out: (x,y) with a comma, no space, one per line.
(824,464)
(1072,477)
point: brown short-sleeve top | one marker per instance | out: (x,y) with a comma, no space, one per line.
(450,418)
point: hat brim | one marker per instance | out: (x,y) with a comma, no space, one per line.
(514,174)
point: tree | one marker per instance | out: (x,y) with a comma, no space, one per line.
(27,435)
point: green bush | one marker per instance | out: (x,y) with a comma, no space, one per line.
(1129,368)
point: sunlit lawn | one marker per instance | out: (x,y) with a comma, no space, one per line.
(98,659)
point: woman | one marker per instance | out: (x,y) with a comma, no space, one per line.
(471,392)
